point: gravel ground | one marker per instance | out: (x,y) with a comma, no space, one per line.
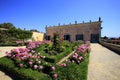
(4,76)
(104,64)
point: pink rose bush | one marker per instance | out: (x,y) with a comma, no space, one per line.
(35,44)
(28,58)
(80,53)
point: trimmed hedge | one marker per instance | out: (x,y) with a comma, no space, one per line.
(56,58)
(22,73)
(74,71)
(71,72)
(53,59)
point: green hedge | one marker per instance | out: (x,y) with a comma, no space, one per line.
(74,71)
(8,44)
(53,59)
(22,73)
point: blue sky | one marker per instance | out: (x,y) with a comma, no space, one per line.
(36,14)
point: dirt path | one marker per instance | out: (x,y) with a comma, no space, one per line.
(103,64)
(63,59)
(3,76)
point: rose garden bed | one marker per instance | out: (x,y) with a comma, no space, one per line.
(35,63)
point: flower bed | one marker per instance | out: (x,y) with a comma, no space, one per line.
(68,48)
(26,63)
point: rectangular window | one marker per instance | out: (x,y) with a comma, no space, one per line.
(47,37)
(79,37)
(67,37)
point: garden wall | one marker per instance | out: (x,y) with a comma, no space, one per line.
(113,47)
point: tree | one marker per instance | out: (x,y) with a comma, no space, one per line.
(7,25)
(56,43)
(105,37)
(20,34)
(11,34)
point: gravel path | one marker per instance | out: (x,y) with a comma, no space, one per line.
(103,64)
(63,59)
(3,76)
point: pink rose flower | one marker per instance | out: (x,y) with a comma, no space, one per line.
(30,62)
(38,62)
(73,61)
(78,61)
(75,57)
(81,58)
(52,68)
(40,67)
(30,55)
(33,51)
(22,58)
(64,65)
(19,54)
(43,57)
(38,53)
(21,65)
(55,75)
(35,66)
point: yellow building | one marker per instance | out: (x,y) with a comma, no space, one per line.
(37,36)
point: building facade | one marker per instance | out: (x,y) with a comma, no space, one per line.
(37,36)
(89,31)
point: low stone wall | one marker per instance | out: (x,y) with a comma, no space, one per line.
(113,47)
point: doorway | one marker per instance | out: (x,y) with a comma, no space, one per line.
(94,38)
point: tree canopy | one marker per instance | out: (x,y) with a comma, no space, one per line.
(13,34)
